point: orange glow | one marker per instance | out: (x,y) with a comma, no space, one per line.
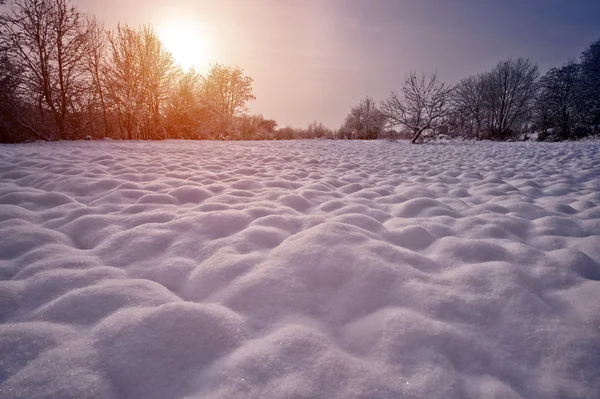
(187,41)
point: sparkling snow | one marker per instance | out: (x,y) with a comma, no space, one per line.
(309,269)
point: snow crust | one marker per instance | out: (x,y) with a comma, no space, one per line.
(305,269)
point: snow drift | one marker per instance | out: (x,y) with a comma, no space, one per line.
(299,270)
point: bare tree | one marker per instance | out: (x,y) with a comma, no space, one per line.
(95,56)
(365,121)
(421,103)
(496,104)
(124,78)
(510,94)
(227,91)
(139,76)
(590,86)
(187,115)
(158,75)
(46,37)
(255,127)
(317,130)
(9,101)
(469,103)
(557,101)
(287,133)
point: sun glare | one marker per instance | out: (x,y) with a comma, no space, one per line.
(187,42)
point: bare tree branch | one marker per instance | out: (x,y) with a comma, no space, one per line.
(421,103)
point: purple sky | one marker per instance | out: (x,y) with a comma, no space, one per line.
(315,59)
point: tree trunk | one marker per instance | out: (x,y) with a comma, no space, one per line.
(418,133)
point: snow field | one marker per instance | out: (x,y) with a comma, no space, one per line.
(308,269)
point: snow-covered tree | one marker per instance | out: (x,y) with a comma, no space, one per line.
(365,121)
(557,102)
(186,114)
(227,91)
(469,111)
(510,90)
(497,104)
(317,130)
(46,38)
(421,103)
(139,76)
(590,86)
(254,127)
(95,48)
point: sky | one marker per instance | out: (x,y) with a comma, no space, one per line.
(312,60)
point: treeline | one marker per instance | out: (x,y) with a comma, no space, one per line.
(64,76)
(509,102)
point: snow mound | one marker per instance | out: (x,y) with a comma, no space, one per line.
(309,269)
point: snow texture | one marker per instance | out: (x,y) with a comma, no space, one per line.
(306,269)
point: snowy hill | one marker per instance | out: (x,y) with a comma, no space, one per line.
(311,269)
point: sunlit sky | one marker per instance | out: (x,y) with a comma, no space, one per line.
(315,59)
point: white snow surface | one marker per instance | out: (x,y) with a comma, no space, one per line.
(310,269)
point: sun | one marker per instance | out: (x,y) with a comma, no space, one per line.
(187,42)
